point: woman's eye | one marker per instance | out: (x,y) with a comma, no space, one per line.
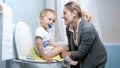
(64,13)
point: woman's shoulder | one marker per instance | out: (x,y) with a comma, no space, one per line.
(87,26)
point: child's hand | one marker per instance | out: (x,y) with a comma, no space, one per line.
(53,43)
(48,59)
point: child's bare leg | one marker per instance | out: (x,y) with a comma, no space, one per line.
(55,51)
(60,49)
(65,48)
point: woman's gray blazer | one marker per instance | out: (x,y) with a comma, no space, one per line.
(90,51)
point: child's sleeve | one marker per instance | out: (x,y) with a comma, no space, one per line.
(39,32)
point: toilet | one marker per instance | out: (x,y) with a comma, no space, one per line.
(24,46)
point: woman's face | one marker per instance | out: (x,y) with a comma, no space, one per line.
(67,16)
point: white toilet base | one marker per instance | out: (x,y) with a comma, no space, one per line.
(25,64)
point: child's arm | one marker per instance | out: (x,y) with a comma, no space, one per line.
(40,49)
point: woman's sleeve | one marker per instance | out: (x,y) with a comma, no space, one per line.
(87,39)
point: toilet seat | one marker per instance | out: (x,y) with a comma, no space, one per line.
(23,39)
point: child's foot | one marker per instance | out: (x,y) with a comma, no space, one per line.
(73,62)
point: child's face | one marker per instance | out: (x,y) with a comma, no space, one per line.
(49,18)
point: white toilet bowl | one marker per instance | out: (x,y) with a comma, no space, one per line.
(23,41)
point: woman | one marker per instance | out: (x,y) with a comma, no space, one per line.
(84,43)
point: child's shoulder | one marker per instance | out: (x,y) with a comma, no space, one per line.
(40,28)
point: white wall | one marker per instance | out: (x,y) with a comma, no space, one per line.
(109,17)
(2,63)
(27,10)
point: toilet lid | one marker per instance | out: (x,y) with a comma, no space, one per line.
(23,39)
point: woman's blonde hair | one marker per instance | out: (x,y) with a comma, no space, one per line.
(45,11)
(72,5)
(86,16)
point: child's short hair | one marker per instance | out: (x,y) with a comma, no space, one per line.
(45,11)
